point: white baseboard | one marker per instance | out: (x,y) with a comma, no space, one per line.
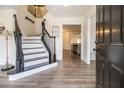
(93,60)
(31,72)
(85,62)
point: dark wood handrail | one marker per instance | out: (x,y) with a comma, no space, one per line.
(19,52)
(17,29)
(48,33)
(27,18)
(44,29)
(44,32)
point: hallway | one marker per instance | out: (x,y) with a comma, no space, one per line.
(71,73)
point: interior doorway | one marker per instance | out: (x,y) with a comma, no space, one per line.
(72,41)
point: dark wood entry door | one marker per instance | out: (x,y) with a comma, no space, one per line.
(110,46)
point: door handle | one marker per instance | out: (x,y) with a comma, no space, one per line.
(94,49)
(96,42)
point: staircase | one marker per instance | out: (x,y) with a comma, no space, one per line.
(33,54)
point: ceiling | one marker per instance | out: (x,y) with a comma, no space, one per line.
(62,10)
(69,11)
(8,6)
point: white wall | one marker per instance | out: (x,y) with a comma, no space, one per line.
(93,37)
(86,41)
(6,17)
(26,26)
(89,36)
(38,26)
(51,20)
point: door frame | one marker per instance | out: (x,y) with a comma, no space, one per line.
(63,41)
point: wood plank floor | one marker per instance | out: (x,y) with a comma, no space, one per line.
(70,73)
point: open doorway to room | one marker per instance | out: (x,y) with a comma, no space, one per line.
(71,41)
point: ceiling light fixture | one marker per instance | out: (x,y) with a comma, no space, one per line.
(36,7)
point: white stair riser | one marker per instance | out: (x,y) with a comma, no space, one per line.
(32,37)
(33,50)
(26,64)
(35,55)
(31,45)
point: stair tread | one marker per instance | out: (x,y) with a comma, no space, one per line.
(33,59)
(31,39)
(32,48)
(12,72)
(31,42)
(34,53)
